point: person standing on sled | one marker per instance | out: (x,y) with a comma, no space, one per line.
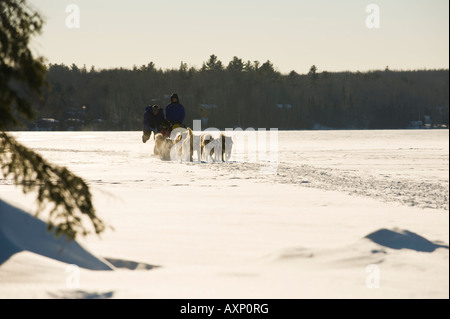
(175,112)
(153,121)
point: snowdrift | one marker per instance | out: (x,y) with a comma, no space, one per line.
(374,248)
(20,231)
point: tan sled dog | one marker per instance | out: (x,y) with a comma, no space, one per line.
(163,145)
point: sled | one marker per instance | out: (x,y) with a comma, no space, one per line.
(165,132)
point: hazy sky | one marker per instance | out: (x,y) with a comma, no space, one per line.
(293,34)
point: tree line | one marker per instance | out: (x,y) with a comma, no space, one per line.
(245,94)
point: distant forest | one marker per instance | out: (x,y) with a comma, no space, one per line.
(243,94)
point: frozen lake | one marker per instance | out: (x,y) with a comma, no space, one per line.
(406,166)
(230,230)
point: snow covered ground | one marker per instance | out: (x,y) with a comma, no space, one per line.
(347,214)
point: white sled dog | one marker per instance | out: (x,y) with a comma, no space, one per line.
(177,150)
(220,147)
(190,145)
(185,144)
(227,146)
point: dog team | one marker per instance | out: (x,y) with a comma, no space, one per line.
(173,141)
(184,143)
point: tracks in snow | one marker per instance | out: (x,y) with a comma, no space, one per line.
(423,194)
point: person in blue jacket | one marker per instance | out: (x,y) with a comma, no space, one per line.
(175,112)
(153,121)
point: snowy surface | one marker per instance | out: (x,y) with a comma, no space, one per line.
(338,203)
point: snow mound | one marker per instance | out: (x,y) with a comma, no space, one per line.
(403,239)
(19,231)
(365,251)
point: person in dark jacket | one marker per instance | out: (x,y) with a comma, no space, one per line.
(175,112)
(153,121)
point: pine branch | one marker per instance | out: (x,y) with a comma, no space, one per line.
(66,194)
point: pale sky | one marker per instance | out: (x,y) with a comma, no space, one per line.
(293,34)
